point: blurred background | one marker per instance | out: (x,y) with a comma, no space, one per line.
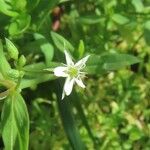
(113,112)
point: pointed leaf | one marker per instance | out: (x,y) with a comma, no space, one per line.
(68,121)
(61,43)
(101,64)
(15,123)
(45,46)
(76,100)
(4,65)
(119,19)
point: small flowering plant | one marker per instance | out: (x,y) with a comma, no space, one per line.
(15,77)
(72,72)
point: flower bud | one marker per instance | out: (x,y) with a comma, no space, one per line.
(21,61)
(13,73)
(12,50)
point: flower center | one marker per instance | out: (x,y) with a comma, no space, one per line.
(73,72)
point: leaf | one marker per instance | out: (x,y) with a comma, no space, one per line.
(61,43)
(15,123)
(147,32)
(63,1)
(76,100)
(19,4)
(138,4)
(135,133)
(20,24)
(81,49)
(94,65)
(45,46)
(120,19)
(34,72)
(4,65)
(32,82)
(107,62)
(68,121)
(118,61)
(90,20)
(4,94)
(6,8)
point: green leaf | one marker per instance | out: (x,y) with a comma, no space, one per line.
(15,123)
(6,8)
(90,20)
(76,100)
(138,4)
(68,121)
(120,19)
(19,4)
(107,62)
(34,72)
(81,49)
(4,65)
(4,94)
(61,43)
(118,61)
(33,82)
(94,65)
(135,133)
(20,24)
(147,32)
(63,1)
(12,50)
(45,46)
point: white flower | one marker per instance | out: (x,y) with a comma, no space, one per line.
(72,72)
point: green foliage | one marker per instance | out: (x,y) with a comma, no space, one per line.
(119,19)
(60,42)
(6,8)
(21,61)
(15,123)
(81,49)
(113,110)
(69,123)
(107,62)
(45,46)
(147,32)
(4,66)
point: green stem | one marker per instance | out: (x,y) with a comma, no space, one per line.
(45,71)
(136,42)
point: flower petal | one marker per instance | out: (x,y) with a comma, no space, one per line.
(63,95)
(79,82)
(59,72)
(68,85)
(81,63)
(68,58)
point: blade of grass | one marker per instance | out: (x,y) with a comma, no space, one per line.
(68,120)
(78,106)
